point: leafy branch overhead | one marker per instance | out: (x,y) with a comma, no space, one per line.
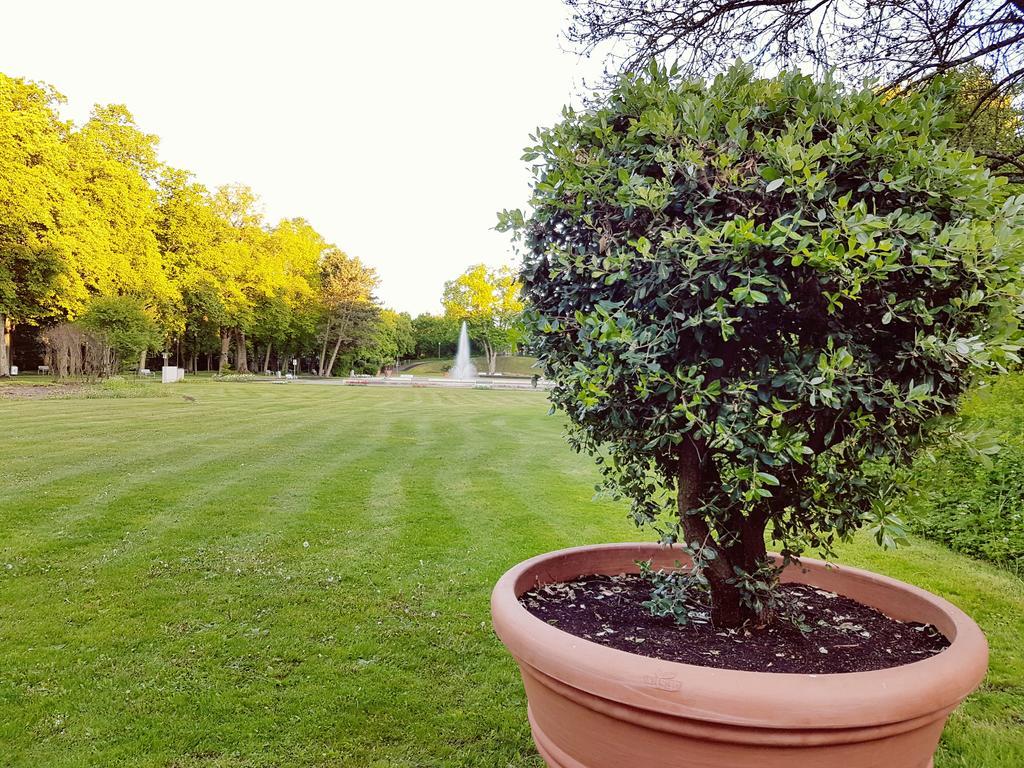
(896,41)
(977,45)
(754,296)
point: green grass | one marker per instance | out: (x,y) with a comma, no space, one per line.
(49,387)
(519,365)
(978,508)
(299,576)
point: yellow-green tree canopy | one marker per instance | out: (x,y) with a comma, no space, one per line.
(350,308)
(34,198)
(90,219)
(489,301)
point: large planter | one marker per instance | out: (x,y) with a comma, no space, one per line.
(596,707)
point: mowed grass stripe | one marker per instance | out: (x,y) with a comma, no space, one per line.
(269,497)
(188,625)
(159,430)
(83,515)
(180,428)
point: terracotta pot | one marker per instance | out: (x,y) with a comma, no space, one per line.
(596,707)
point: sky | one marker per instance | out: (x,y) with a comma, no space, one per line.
(394,128)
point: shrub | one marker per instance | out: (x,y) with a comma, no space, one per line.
(125,327)
(754,296)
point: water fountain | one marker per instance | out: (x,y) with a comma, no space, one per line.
(462,368)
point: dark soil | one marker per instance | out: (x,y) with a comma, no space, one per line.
(839,634)
(39,391)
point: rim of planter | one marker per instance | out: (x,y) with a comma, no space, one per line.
(736,697)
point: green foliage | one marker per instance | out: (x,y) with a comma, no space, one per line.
(974,503)
(434,335)
(989,117)
(123,325)
(352,314)
(390,338)
(27,280)
(754,295)
(112,241)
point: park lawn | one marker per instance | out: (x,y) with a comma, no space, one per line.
(508,365)
(282,575)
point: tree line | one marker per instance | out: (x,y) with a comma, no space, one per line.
(115,255)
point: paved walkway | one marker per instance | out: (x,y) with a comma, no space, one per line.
(496,382)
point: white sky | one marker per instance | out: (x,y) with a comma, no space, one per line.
(395,127)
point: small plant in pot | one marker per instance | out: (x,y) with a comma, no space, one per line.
(756,298)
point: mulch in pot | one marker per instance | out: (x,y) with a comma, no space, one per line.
(839,634)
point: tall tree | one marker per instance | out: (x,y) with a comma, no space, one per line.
(114,248)
(351,309)
(189,233)
(293,252)
(34,196)
(241,252)
(489,301)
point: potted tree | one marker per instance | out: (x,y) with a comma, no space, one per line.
(755,298)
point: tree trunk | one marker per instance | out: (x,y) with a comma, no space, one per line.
(241,353)
(727,608)
(492,357)
(225,349)
(342,327)
(5,340)
(323,349)
(142,361)
(11,325)
(266,357)
(334,356)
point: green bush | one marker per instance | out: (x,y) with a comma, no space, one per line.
(125,326)
(977,506)
(754,296)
